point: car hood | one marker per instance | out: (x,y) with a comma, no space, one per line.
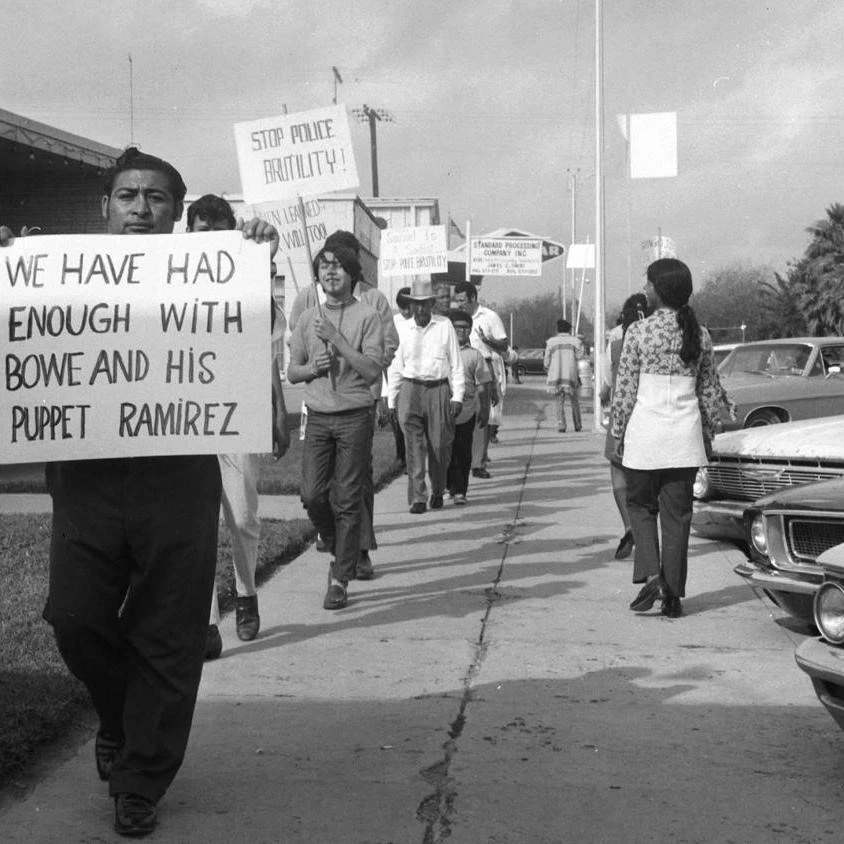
(822,495)
(818,439)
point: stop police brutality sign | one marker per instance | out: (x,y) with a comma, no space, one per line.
(134,346)
(506,256)
(302,154)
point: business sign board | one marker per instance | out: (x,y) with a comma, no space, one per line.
(415,250)
(505,256)
(134,346)
(292,155)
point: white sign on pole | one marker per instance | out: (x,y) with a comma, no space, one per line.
(653,145)
(581,256)
(134,346)
(506,256)
(415,250)
(292,155)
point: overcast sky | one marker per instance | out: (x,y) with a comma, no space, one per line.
(493,102)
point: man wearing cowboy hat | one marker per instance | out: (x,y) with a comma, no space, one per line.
(425,391)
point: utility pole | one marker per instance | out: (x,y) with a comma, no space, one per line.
(337,80)
(572,174)
(371,115)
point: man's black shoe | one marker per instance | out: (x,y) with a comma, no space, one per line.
(647,595)
(480,473)
(364,570)
(672,607)
(133,815)
(418,507)
(335,597)
(247,620)
(436,502)
(213,642)
(106,748)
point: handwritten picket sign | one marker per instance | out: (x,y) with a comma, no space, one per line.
(506,256)
(415,250)
(301,154)
(134,346)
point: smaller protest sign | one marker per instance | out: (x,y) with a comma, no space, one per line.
(506,256)
(415,250)
(302,154)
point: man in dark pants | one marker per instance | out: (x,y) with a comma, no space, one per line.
(132,560)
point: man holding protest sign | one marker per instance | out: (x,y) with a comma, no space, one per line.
(337,349)
(310,297)
(132,560)
(240,471)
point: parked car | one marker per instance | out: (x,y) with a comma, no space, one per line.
(786,533)
(721,351)
(530,362)
(749,464)
(823,659)
(783,380)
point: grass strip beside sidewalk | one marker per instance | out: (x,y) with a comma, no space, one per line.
(40,702)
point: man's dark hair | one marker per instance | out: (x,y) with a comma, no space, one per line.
(133,159)
(563,325)
(342,238)
(401,298)
(456,315)
(347,258)
(468,288)
(211,209)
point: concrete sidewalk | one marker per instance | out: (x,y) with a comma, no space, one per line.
(491,685)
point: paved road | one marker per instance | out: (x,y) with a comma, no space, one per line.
(492,686)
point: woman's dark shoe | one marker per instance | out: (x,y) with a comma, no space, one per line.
(625,546)
(672,607)
(647,595)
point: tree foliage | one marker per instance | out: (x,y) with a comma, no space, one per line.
(535,319)
(729,298)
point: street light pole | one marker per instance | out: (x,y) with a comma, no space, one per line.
(371,115)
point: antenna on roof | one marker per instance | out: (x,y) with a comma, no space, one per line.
(131,102)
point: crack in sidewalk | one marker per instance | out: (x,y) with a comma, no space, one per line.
(436,810)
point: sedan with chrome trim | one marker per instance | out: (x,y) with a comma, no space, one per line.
(823,659)
(773,381)
(786,533)
(749,464)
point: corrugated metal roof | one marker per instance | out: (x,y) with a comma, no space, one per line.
(40,136)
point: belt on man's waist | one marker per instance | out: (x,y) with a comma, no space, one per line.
(427,383)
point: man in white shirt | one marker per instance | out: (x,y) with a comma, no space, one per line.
(425,391)
(490,339)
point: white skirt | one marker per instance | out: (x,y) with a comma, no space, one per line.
(665,429)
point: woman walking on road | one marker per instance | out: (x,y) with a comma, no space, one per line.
(665,409)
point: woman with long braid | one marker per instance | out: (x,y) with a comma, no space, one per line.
(665,411)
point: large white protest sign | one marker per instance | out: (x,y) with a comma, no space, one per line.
(292,155)
(415,250)
(506,256)
(131,346)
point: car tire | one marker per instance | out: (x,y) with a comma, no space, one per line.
(520,371)
(762,417)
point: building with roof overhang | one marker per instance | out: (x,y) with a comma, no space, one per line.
(50,178)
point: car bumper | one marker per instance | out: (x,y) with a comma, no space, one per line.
(793,594)
(824,663)
(720,519)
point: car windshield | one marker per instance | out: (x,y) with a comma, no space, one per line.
(773,360)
